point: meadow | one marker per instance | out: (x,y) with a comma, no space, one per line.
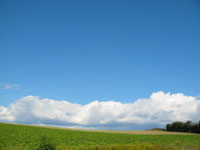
(22,137)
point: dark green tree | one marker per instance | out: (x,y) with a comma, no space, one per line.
(187,126)
(168,127)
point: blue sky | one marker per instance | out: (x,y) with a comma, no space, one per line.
(88,50)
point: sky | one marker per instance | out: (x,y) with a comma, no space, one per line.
(97,56)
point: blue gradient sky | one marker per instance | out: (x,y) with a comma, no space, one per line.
(99,49)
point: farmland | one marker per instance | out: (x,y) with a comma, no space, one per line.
(22,137)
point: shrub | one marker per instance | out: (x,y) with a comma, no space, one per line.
(46,144)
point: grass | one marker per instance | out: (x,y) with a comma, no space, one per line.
(21,137)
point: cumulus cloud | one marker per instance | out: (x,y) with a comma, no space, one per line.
(156,111)
(10,86)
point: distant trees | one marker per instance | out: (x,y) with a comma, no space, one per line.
(187,126)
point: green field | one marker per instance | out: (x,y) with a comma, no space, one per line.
(21,137)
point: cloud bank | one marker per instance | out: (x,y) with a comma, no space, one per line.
(156,111)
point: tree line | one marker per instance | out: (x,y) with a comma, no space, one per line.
(187,126)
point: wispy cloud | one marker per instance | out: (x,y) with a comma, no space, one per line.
(157,110)
(10,86)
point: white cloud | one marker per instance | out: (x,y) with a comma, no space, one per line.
(156,111)
(5,115)
(10,86)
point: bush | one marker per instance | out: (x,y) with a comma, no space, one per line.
(46,144)
(158,129)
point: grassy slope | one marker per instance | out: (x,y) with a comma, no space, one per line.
(145,132)
(28,137)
